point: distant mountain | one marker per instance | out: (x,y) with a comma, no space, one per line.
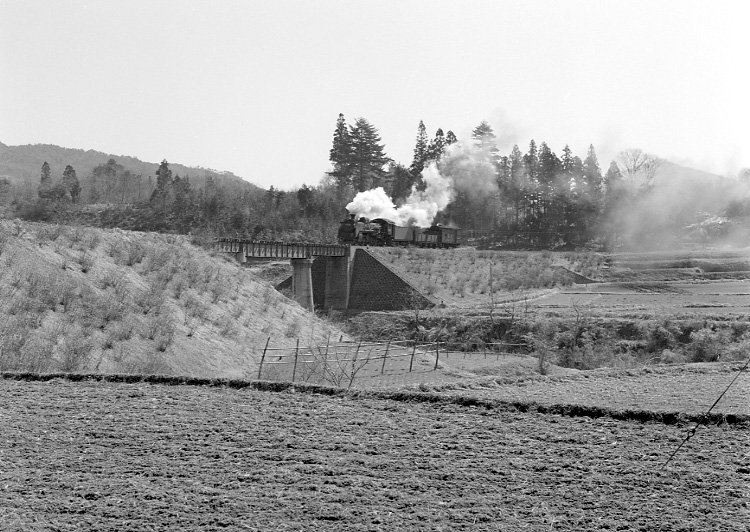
(24,163)
(672,173)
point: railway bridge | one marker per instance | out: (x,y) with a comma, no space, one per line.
(333,276)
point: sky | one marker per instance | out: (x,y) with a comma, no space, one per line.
(254,87)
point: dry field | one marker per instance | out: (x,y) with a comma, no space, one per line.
(720,298)
(646,284)
(112,456)
(683,389)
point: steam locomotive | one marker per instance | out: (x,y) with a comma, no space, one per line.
(382,232)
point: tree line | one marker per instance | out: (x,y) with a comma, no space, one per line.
(536,198)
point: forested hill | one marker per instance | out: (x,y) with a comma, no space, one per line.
(24,163)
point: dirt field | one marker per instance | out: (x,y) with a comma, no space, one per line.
(108,456)
(685,388)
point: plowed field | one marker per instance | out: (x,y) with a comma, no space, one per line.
(685,388)
(113,456)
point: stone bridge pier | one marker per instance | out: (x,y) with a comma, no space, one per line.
(333,292)
(302,285)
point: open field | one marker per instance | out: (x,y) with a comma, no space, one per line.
(113,456)
(673,281)
(725,298)
(685,388)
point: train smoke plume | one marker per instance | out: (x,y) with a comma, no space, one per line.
(462,169)
(420,207)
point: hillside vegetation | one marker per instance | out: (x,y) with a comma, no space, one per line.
(22,163)
(466,277)
(113,301)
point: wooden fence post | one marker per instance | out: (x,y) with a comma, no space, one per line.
(382,369)
(437,355)
(325,357)
(262,358)
(411,362)
(296,354)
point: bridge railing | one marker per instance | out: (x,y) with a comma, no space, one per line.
(280,250)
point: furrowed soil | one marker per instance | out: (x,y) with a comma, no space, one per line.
(112,456)
(684,388)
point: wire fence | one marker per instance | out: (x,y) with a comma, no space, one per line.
(343,364)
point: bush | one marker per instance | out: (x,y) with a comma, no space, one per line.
(75,352)
(670,357)
(707,345)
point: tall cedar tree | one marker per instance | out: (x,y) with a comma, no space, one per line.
(531,170)
(616,198)
(421,151)
(368,157)
(45,182)
(160,195)
(71,184)
(548,167)
(341,155)
(592,176)
(437,146)
(485,141)
(518,185)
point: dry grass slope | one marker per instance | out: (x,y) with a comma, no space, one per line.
(466,277)
(113,301)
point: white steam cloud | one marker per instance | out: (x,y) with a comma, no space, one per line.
(461,170)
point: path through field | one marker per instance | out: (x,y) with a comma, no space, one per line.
(113,456)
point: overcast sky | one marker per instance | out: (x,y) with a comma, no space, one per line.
(255,87)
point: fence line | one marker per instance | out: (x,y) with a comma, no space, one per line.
(341,363)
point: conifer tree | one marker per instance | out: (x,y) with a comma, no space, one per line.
(531,169)
(518,184)
(160,195)
(341,154)
(485,141)
(45,182)
(549,199)
(437,146)
(616,198)
(421,151)
(71,184)
(592,176)
(368,157)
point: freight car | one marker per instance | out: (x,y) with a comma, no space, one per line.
(382,232)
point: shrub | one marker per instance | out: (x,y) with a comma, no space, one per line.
(92,240)
(706,345)
(660,338)
(85,260)
(150,301)
(293,328)
(670,357)
(113,249)
(134,253)
(157,259)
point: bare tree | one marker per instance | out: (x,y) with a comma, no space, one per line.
(651,167)
(640,168)
(632,161)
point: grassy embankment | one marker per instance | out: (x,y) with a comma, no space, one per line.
(112,301)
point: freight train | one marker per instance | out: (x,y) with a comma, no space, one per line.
(382,232)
